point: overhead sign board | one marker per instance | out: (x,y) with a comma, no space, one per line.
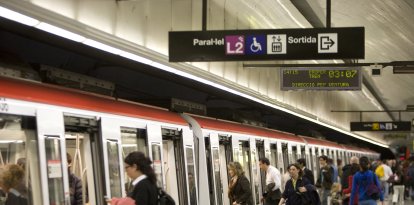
(284,44)
(381,126)
(345,78)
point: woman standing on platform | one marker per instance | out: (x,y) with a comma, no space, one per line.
(365,182)
(298,189)
(239,187)
(138,168)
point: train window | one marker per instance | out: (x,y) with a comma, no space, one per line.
(273,154)
(156,158)
(133,139)
(294,154)
(54,170)
(191,175)
(216,164)
(114,168)
(18,140)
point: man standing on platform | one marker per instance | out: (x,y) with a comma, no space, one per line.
(325,179)
(273,182)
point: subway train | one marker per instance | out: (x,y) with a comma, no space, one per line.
(41,123)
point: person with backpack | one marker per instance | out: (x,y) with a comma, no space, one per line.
(383,171)
(367,185)
(138,168)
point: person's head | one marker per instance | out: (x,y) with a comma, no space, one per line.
(323,160)
(235,169)
(354,168)
(12,176)
(339,162)
(354,160)
(69,160)
(22,163)
(264,163)
(137,164)
(301,162)
(364,163)
(295,171)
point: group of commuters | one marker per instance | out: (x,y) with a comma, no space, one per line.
(297,190)
(354,183)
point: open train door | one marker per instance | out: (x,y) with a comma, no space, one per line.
(244,151)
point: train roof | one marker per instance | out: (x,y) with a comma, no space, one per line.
(66,97)
(216,124)
(321,142)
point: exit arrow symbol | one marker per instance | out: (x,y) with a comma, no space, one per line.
(330,43)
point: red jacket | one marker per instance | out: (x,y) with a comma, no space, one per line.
(348,190)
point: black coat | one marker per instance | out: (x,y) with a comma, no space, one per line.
(293,196)
(241,192)
(309,175)
(327,172)
(15,200)
(75,189)
(145,193)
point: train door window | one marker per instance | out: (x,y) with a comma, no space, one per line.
(114,167)
(255,169)
(216,173)
(133,139)
(317,155)
(175,175)
(54,170)
(19,146)
(294,154)
(245,158)
(225,159)
(191,174)
(156,157)
(273,154)
(285,155)
(305,155)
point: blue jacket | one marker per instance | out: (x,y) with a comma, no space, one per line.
(360,183)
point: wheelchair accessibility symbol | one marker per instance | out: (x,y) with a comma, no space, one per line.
(256,44)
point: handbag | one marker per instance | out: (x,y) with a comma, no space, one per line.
(373,191)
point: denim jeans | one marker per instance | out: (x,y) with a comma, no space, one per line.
(367,202)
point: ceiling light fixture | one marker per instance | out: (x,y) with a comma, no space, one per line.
(14,16)
(168,68)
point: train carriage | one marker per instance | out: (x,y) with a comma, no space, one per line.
(41,123)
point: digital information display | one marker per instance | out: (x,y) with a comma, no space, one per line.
(345,78)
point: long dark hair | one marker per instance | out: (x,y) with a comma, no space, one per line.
(143,164)
(364,163)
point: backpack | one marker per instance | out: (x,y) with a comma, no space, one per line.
(373,190)
(164,198)
(379,171)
